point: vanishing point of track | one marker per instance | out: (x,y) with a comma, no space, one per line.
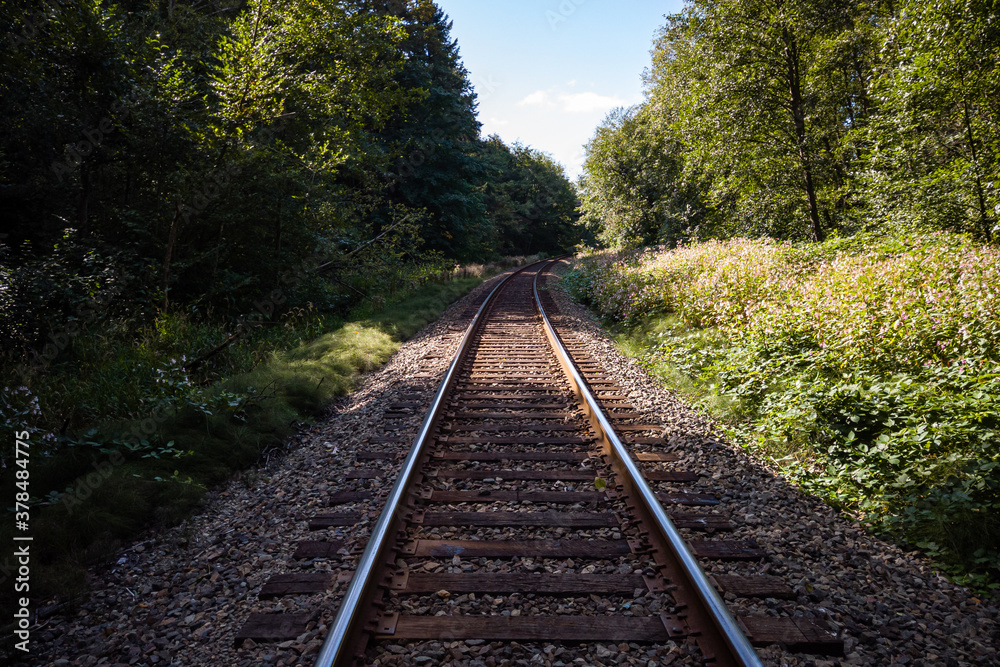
(533,461)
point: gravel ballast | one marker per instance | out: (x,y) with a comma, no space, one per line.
(179,597)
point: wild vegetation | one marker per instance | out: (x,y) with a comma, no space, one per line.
(158,431)
(216,216)
(821,182)
(803,119)
(867,370)
(219,213)
(204,154)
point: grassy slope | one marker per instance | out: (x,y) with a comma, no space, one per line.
(202,435)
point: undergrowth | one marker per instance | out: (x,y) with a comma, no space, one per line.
(866,369)
(128,432)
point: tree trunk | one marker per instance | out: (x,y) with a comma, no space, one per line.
(168,258)
(83,203)
(863,92)
(799,118)
(984,219)
(840,170)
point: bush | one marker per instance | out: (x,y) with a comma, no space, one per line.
(868,369)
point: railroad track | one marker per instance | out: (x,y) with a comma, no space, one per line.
(537,505)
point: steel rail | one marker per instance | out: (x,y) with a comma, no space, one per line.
(739,647)
(353,608)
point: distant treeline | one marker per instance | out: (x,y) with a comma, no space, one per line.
(196,154)
(799,118)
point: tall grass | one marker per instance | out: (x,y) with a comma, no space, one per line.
(867,369)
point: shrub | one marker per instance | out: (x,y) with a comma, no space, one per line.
(868,369)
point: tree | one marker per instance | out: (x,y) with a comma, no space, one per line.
(532,205)
(432,143)
(301,87)
(746,86)
(634,189)
(935,155)
(198,144)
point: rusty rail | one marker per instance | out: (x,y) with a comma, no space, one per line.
(353,608)
(714,617)
(529,388)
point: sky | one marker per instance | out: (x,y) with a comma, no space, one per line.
(547,72)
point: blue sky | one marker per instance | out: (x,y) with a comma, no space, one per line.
(548,71)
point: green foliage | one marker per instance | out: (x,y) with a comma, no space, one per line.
(430,147)
(197,196)
(194,148)
(762,96)
(634,191)
(163,432)
(403,318)
(867,369)
(531,203)
(935,153)
(804,118)
(194,155)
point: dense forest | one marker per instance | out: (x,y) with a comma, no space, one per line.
(218,214)
(821,182)
(806,118)
(188,154)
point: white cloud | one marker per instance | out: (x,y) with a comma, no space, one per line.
(589,102)
(539,98)
(558,118)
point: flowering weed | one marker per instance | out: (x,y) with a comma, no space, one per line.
(867,369)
